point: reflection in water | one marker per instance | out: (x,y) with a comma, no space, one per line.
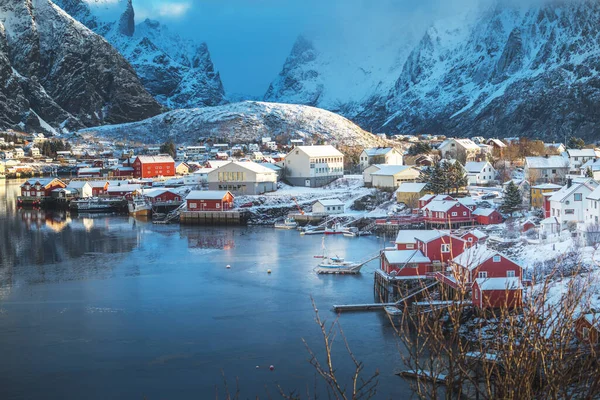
(199,239)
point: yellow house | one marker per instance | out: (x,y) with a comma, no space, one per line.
(409,193)
(182,168)
(537,193)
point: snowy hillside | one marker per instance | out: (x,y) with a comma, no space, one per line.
(56,74)
(502,70)
(242,122)
(178,72)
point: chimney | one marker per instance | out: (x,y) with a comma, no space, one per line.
(569,182)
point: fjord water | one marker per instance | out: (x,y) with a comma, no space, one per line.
(102,307)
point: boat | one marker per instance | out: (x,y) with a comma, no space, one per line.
(393,311)
(288,223)
(139,207)
(350,234)
(337,265)
(96,204)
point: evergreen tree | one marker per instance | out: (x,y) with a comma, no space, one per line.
(457,176)
(575,143)
(512,199)
(169,148)
(589,173)
(419,148)
(433,177)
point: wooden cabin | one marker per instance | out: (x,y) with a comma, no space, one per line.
(209,200)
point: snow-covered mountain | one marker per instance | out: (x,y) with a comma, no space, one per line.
(242,122)
(508,69)
(55,73)
(178,72)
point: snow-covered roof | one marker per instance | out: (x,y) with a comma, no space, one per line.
(474,256)
(467,201)
(547,186)
(124,188)
(155,159)
(319,151)
(255,167)
(513,283)
(550,221)
(77,184)
(89,170)
(497,142)
(595,195)
(594,164)
(41,181)
(406,256)
(218,163)
(475,167)
(440,205)
(97,184)
(410,187)
(203,170)
(466,143)
(330,202)
(484,212)
(378,151)
(428,236)
(390,170)
(479,234)
(581,153)
(426,197)
(407,236)
(547,162)
(207,194)
(563,193)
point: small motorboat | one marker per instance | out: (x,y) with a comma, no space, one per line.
(288,223)
(393,311)
(140,207)
(337,265)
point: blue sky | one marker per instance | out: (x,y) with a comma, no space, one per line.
(250,39)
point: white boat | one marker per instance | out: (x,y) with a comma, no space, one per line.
(288,223)
(139,207)
(337,265)
(393,311)
(350,234)
(94,204)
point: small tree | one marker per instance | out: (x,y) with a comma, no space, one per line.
(575,143)
(512,199)
(457,176)
(419,148)
(589,173)
(168,148)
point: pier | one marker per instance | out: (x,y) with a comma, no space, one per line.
(213,217)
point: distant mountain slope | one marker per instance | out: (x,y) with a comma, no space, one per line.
(507,69)
(242,122)
(178,72)
(55,73)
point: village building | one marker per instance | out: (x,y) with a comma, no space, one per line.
(409,193)
(568,204)
(99,187)
(481,262)
(462,149)
(498,147)
(480,173)
(313,166)
(209,200)
(182,168)
(7,155)
(40,187)
(153,166)
(447,213)
(428,198)
(34,152)
(490,293)
(554,148)
(162,195)
(328,207)
(538,191)
(468,202)
(392,176)
(587,327)
(578,157)
(379,155)
(122,189)
(487,216)
(247,178)
(549,227)
(406,263)
(89,172)
(474,236)
(216,163)
(546,169)
(81,189)
(406,239)
(591,165)
(121,171)
(421,160)
(439,246)
(18,152)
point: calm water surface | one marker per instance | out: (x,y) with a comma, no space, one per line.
(108,307)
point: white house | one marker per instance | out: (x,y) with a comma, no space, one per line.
(569,203)
(457,148)
(313,166)
(592,211)
(546,169)
(328,207)
(81,189)
(243,178)
(380,155)
(555,148)
(34,151)
(594,166)
(578,157)
(480,173)
(391,176)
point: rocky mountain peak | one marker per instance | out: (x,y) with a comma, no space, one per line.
(127,21)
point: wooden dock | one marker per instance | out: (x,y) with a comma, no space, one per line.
(361,307)
(213,217)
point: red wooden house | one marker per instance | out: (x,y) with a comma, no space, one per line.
(122,171)
(528,225)
(483,262)
(587,327)
(99,187)
(209,200)
(162,196)
(406,239)
(497,293)
(428,198)
(475,236)
(547,204)
(440,246)
(153,166)
(447,213)
(407,263)
(487,216)
(41,188)
(123,190)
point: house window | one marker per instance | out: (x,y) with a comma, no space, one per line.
(410,246)
(470,239)
(464,213)
(577,196)
(510,274)
(482,275)
(193,205)
(496,258)
(554,171)
(454,214)
(446,248)
(569,211)
(585,332)
(476,294)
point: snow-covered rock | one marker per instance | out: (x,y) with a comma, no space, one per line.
(178,72)
(242,122)
(55,73)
